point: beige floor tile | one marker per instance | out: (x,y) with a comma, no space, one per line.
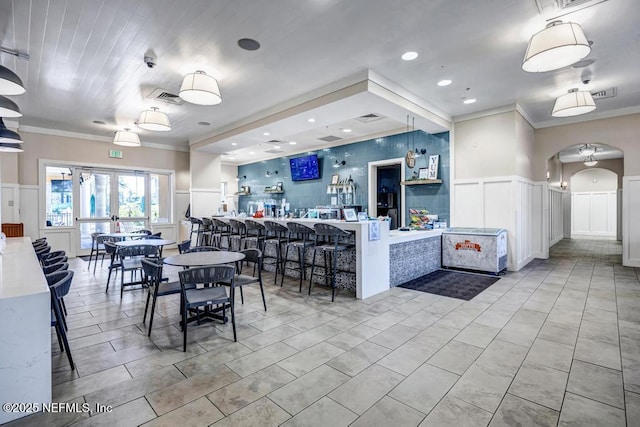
(179,394)
(199,413)
(358,358)
(302,392)
(455,357)
(353,337)
(325,412)
(454,412)
(268,338)
(421,319)
(406,358)
(540,384)
(309,359)
(254,362)
(241,393)
(262,413)
(388,412)
(516,411)
(482,386)
(424,388)
(477,335)
(551,354)
(203,363)
(364,390)
(130,414)
(598,352)
(559,333)
(580,411)
(395,336)
(85,385)
(632,401)
(385,320)
(597,383)
(311,337)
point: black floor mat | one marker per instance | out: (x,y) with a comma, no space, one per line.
(451,284)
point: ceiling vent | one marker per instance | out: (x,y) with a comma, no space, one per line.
(368,118)
(606,93)
(274,151)
(165,96)
(330,138)
(275,141)
(565,4)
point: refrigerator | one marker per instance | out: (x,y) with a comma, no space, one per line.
(481,249)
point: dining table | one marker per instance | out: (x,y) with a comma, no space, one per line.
(161,243)
(203,259)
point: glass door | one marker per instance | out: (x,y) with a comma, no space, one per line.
(95,211)
(132,209)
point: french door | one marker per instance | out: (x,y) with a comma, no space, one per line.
(109,201)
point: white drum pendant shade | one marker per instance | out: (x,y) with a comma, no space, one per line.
(7,136)
(126,138)
(154,120)
(10,83)
(573,103)
(200,88)
(8,108)
(557,46)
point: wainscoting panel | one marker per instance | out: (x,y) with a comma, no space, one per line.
(630,223)
(556,215)
(594,214)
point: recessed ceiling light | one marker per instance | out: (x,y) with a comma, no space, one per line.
(249,44)
(252,152)
(204,123)
(276,146)
(292,142)
(266,134)
(99,122)
(409,56)
(311,120)
(346,130)
(469,101)
(234,143)
(445,82)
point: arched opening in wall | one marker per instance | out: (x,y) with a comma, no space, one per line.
(579,208)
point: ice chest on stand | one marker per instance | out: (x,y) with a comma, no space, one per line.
(482,249)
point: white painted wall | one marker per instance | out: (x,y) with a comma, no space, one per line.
(206,171)
(595,179)
(630,223)
(594,215)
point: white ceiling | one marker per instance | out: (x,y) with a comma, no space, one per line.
(87,64)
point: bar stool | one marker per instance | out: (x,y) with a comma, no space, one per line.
(196,226)
(238,232)
(255,233)
(221,230)
(300,237)
(206,232)
(278,233)
(330,240)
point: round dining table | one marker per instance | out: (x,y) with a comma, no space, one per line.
(123,235)
(201,259)
(161,243)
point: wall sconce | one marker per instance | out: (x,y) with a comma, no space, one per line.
(337,164)
(238,178)
(564,185)
(268,174)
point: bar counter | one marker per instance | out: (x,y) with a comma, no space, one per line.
(25,331)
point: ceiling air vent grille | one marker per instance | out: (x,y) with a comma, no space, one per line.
(368,118)
(165,96)
(330,138)
(606,93)
(274,151)
(275,141)
(565,4)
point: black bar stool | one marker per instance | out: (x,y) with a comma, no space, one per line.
(300,237)
(196,226)
(238,232)
(276,235)
(256,232)
(330,240)
(206,232)
(221,230)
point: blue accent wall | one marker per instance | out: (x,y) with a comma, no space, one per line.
(309,194)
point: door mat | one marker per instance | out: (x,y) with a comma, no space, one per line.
(451,284)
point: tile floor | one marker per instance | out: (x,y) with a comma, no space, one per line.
(557,343)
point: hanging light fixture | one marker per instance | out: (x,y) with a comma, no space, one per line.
(557,46)
(587,150)
(573,103)
(590,161)
(8,108)
(126,138)
(10,83)
(200,88)
(154,120)
(8,136)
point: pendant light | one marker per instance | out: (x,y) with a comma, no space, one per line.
(8,136)
(557,46)
(10,83)
(200,88)
(587,150)
(154,120)
(573,103)
(8,108)
(590,161)
(126,138)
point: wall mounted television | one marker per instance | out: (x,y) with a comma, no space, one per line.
(61,185)
(305,168)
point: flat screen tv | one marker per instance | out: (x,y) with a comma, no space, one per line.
(61,185)
(305,168)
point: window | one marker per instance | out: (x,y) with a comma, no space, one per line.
(160,199)
(59,196)
(223,192)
